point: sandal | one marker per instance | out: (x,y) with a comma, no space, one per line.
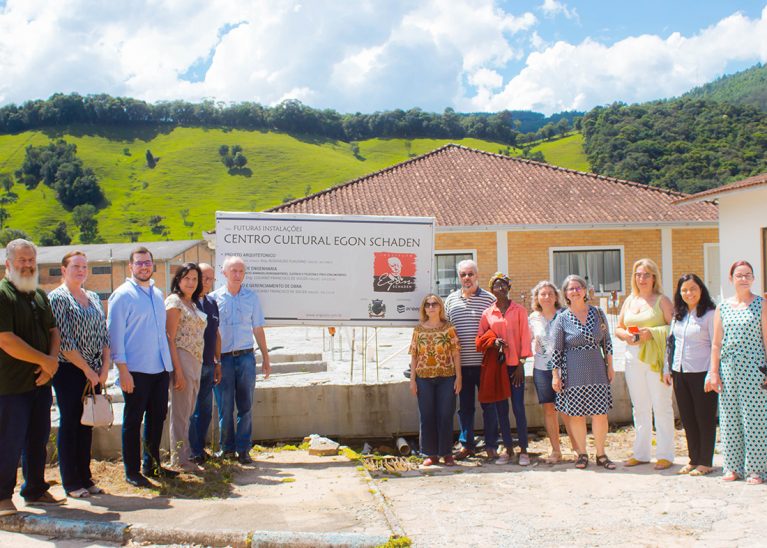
(753,479)
(605,463)
(730,476)
(553,458)
(81,493)
(701,471)
(582,462)
(686,469)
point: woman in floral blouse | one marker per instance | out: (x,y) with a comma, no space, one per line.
(185,325)
(435,365)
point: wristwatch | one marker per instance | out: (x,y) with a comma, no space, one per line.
(636,337)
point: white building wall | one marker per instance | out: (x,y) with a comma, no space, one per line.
(742,215)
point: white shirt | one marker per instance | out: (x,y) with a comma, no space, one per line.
(692,342)
(543,346)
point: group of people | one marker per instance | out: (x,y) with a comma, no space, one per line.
(474,345)
(197,344)
(194,345)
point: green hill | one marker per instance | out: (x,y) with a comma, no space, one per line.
(748,87)
(190,176)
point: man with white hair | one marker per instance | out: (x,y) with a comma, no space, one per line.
(29,349)
(464,308)
(240,320)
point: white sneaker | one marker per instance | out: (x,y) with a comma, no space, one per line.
(503,459)
(524,459)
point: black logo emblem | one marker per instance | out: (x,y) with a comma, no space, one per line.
(376,309)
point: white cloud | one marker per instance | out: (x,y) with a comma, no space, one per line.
(566,76)
(552,8)
(381,54)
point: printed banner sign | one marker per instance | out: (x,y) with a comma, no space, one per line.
(331,269)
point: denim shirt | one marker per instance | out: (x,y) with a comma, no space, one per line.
(136,324)
(238,316)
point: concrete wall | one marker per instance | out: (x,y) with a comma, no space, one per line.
(742,217)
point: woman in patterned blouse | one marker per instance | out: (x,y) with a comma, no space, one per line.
(435,365)
(185,325)
(583,369)
(83,359)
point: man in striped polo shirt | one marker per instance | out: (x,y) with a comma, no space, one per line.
(464,309)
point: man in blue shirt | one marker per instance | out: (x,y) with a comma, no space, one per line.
(140,350)
(241,319)
(211,367)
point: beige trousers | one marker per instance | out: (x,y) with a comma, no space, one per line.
(182,404)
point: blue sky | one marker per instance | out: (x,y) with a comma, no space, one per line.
(368,55)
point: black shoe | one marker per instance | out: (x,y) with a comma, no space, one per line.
(225,455)
(137,480)
(199,459)
(244,458)
(160,472)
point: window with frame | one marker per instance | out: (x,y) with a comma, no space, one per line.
(446,277)
(56,271)
(102,270)
(601,268)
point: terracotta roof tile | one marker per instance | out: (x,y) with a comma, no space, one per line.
(460,186)
(713,193)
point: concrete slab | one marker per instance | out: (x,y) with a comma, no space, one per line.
(288,491)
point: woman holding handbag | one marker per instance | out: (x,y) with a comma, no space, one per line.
(83,361)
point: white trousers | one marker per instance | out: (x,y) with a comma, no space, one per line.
(649,395)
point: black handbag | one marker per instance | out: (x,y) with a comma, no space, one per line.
(670,346)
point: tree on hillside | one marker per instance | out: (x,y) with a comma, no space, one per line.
(59,236)
(4,215)
(57,166)
(151,160)
(9,234)
(84,217)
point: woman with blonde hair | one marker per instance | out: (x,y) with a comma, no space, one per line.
(643,324)
(546,305)
(435,378)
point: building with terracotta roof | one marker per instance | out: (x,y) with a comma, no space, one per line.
(108,263)
(533,220)
(742,226)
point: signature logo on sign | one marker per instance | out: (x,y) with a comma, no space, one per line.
(393,272)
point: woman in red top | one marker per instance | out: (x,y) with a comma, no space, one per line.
(508,321)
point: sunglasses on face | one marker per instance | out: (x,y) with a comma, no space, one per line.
(140,264)
(431,305)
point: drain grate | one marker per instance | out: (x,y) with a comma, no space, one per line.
(388,464)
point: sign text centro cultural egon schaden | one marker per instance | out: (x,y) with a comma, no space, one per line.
(331,269)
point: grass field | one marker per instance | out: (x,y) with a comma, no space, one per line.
(189,175)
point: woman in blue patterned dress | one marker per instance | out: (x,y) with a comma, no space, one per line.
(83,359)
(582,362)
(737,354)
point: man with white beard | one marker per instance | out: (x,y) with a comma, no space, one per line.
(29,348)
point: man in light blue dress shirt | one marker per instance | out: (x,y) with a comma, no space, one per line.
(240,320)
(136,324)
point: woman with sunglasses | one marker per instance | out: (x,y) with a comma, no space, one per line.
(738,374)
(643,325)
(582,362)
(435,378)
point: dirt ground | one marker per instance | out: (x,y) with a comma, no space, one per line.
(475,503)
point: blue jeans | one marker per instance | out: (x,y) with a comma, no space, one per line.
(148,403)
(518,406)
(467,399)
(436,407)
(74,440)
(199,422)
(238,380)
(25,425)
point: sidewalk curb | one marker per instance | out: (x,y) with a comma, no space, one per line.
(121,533)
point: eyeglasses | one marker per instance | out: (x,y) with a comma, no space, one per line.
(430,304)
(467,274)
(743,276)
(643,275)
(577,289)
(142,263)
